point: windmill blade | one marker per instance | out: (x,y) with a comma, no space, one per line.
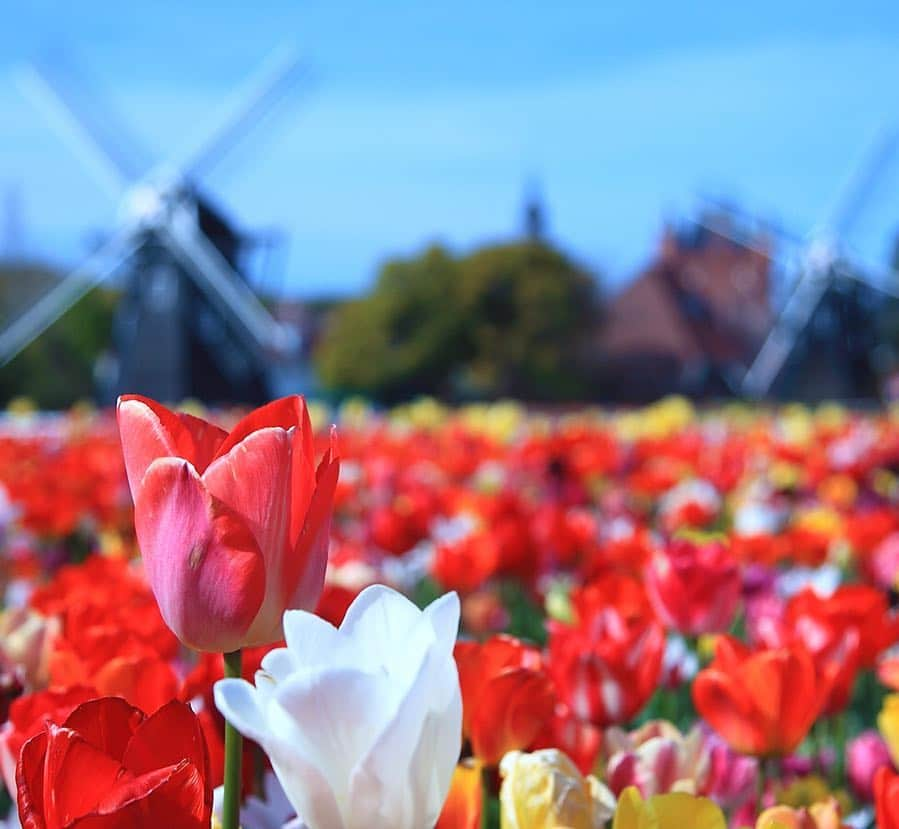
(261,93)
(875,277)
(725,231)
(858,186)
(782,338)
(223,285)
(776,230)
(102,153)
(97,268)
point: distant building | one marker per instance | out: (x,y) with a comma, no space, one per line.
(690,322)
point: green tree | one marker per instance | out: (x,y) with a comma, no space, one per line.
(403,338)
(530,312)
(57,369)
(504,320)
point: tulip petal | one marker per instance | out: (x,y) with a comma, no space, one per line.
(166,738)
(108,724)
(304,574)
(422,740)
(288,413)
(728,707)
(443,614)
(238,703)
(307,789)
(149,431)
(203,564)
(328,720)
(253,479)
(146,430)
(378,618)
(81,775)
(314,638)
(30,782)
(333,716)
(676,810)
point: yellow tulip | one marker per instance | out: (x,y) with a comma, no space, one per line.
(666,811)
(544,790)
(888,723)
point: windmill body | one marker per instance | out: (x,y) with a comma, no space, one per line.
(822,341)
(188,323)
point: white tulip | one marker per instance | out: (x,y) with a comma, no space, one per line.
(363,723)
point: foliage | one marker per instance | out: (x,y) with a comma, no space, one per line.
(509,319)
(57,368)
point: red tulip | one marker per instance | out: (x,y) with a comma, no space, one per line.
(233,527)
(507,696)
(762,703)
(464,565)
(579,739)
(886,798)
(835,650)
(851,607)
(110,767)
(608,665)
(27,717)
(694,588)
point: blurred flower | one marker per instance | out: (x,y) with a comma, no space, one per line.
(607,665)
(763,702)
(466,563)
(362,724)
(888,723)
(28,716)
(656,758)
(26,639)
(819,816)
(886,798)
(850,607)
(694,588)
(465,802)
(810,790)
(271,811)
(865,754)
(666,811)
(544,790)
(233,527)
(483,612)
(690,503)
(507,695)
(679,664)
(109,766)
(730,778)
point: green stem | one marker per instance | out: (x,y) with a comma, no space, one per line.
(760,797)
(839,733)
(259,772)
(233,756)
(485,804)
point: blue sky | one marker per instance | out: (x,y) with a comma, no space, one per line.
(425,121)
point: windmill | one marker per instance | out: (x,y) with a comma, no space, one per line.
(188,322)
(830,305)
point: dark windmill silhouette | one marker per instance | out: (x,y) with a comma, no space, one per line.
(822,341)
(188,322)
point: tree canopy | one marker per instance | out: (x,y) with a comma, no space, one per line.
(58,367)
(505,320)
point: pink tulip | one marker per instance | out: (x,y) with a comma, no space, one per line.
(864,755)
(233,527)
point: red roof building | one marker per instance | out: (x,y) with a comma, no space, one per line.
(691,322)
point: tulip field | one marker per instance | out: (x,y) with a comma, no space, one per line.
(489,616)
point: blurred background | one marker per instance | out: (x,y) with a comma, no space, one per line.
(560,202)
